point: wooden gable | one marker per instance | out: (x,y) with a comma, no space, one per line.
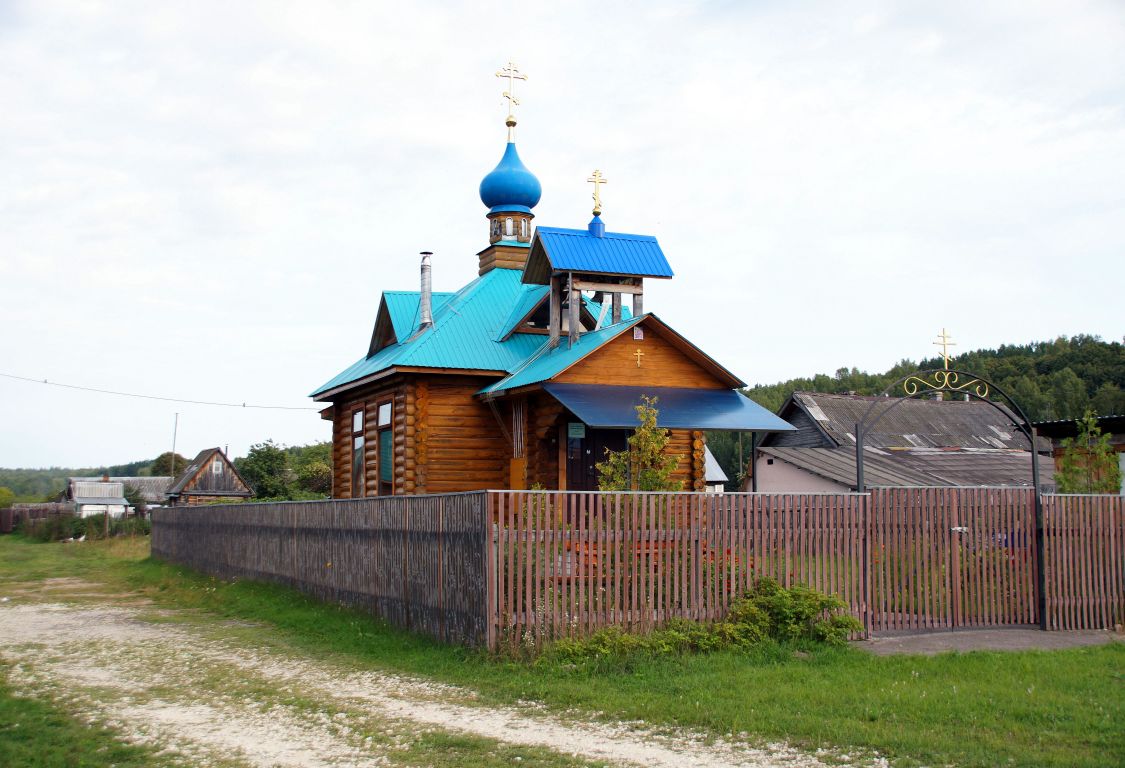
(666,360)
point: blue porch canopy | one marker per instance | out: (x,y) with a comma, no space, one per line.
(607,406)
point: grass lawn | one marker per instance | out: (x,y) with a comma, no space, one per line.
(37,734)
(1056,708)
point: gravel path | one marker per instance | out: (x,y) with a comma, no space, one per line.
(208,693)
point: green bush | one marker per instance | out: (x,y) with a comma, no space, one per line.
(767,612)
(63,527)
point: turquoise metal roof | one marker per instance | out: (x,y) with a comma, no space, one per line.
(464,335)
(548,363)
(403,308)
(525,302)
(579,250)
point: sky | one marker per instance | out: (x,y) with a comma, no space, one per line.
(204,200)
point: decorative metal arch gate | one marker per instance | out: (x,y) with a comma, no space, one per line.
(960,544)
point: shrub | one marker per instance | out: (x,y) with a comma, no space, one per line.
(767,612)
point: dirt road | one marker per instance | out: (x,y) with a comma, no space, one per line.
(215,695)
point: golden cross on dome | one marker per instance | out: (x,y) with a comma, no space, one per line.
(945,343)
(513,74)
(597,180)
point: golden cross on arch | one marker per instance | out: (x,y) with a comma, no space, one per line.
(945,343)
(597,180)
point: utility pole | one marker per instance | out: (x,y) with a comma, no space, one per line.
(172,459)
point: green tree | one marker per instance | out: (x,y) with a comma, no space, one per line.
(644,465)
(1088,463)
(266,468)
(1068,395)
(315,477)
(1108,399)
(167,464)
(6,497)
(136,498)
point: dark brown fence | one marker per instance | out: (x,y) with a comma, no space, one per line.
(1085,553)
(416,561)
(12,517)
(512,566)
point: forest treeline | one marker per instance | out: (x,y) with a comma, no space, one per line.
(1050,380)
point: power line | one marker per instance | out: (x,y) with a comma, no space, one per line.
(157,397)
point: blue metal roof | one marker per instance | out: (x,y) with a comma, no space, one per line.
(614,253)
(605,406)
(464,335)
(548,363)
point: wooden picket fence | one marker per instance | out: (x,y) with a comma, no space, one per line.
(902,559)
(501,567)
(943,558)
(1085,560)
(568,563)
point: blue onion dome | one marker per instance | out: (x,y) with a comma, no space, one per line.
(510,186)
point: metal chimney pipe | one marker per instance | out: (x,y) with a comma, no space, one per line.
(425,301)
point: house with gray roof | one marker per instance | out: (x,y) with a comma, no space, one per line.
(922,442)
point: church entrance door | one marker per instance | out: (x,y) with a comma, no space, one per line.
(585,447)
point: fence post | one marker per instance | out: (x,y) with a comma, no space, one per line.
(1040,535)
(865,501)
(489,531)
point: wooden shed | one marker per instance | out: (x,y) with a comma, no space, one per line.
(210,478)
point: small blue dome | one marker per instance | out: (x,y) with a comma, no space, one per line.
(510,186)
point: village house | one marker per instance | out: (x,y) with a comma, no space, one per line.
(922,442)
(531,372)
(210,478)
(95,496)
(153,490)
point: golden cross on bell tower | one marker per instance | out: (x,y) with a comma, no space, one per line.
(513,74)
(945,343)
(597,180)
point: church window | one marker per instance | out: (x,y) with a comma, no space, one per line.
(509,227)
(523,227)
(357,454)
(386,446)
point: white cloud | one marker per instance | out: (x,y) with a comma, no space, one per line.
(205,200)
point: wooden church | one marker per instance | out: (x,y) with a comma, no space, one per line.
(528,374)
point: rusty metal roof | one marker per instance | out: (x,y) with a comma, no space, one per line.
(918,467)
(912,423)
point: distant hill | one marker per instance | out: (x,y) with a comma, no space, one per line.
(1057,379)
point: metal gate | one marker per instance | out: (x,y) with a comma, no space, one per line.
(945,558)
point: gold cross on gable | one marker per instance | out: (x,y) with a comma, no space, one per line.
(945,343)
(638,354)
(513,74)
(597,180)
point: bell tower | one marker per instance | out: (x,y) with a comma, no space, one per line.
(510,191)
